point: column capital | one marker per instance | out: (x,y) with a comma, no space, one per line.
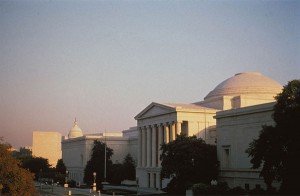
(171,122)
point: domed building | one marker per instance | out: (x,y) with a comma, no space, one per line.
(75,131)
(230,116)
(77,148)
(241,90)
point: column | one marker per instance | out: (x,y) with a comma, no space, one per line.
(151,180)
(149,142)
(172,131)
(166,139)
(144,147)
(153,146)
(178,128)
(158,180)
(160,142)
(139,147)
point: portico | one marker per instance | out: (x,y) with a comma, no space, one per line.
(161,123)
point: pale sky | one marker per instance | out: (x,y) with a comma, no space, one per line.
(105,61)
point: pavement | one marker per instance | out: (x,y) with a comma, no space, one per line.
(48,190)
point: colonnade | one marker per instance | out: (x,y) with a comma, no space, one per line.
(150,138)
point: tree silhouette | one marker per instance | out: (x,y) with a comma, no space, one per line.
(188,160)
(96,163)
(277,148)
(14,179)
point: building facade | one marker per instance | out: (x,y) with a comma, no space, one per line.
(160,122)
(77,148)
(236,130)
(47,144)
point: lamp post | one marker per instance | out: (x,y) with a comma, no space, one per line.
(94,184)
(66,182)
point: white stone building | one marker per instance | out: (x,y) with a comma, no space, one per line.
(160,122)
(77,148)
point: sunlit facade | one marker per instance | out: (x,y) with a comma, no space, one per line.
(47,144)
(243,94)
(77,148)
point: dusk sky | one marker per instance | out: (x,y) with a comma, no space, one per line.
(105,61)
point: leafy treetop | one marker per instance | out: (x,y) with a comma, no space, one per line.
(277,148)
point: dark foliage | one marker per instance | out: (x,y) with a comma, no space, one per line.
(278,147)
(205,189)
(115,174)
(128,168)
(60,172)
(236,191)
(124,171)
(96,164)
(37,165)
(188,160)
(14,180)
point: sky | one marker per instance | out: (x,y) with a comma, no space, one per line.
(105,61)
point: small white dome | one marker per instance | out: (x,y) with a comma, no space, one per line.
(75,131)
(246,83)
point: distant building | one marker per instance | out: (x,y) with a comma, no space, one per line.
(230,116)
(47,144)
(77,148)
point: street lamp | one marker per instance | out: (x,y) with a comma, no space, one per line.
(66,182)
(94,184)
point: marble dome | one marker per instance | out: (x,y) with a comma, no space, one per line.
(246,83)
(75,131)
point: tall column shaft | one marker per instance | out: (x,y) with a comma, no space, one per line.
(166,138)
(139,147)
(172,131)
(160,142)
(154,149)
(144,147)
(178,128)
(158,180)
(149,142)
(151,180)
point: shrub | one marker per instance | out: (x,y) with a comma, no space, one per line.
(72,183)
(204,189)
(236,191)
(200,189)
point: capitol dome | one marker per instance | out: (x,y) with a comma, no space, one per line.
(75,131)
(246,83)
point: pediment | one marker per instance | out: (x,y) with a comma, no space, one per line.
(154,109)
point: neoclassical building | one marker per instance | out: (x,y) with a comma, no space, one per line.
(77,147)
(230,116)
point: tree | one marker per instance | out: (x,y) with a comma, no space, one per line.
(14,179)
(188,160)
(124,171)
(277,149)
(60,172)
(128,168)
(37,165)
(60,167)
(96,163)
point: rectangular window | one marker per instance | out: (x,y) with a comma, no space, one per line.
(226,157)
(185,128)
(257,186)
(154,178)
(247,187)
(149,178)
